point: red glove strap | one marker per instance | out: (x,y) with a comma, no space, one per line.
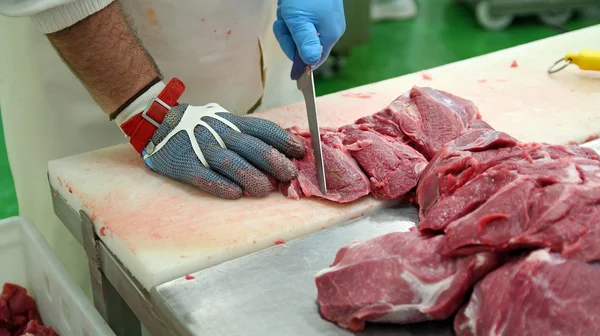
(142,126)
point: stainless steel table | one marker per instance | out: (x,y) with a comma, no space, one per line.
(269,292)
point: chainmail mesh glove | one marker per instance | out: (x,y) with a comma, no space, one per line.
(222,153)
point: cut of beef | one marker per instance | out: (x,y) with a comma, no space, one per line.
(540,294)
(516,204)
(457,162)
(482,196)
(35,329)
(400,278)
(345,180)
(432,118)
(478,190)
(387,121)
(19,315)
(393,166)
(475,152)
(423,118)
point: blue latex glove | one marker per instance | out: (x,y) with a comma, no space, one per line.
(312,27)
(260,146)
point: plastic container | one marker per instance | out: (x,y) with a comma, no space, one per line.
(27,260)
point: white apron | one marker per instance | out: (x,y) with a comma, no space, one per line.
(213,46)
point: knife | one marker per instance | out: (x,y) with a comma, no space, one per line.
(303,75)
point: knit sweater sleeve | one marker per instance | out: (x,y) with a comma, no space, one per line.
(52,15)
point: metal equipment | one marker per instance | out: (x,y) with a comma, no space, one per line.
(303,75)
(358,30)
(497,15)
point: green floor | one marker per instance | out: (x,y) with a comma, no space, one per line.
(442,32)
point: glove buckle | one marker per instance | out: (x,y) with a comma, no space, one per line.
(149,118)
(142,126)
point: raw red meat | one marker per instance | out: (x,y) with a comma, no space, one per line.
(19,314)
(533,202)
(472,154)
(400,277)
(18,300)
(540,294)
(482,196)
(458,161)
(387,121)
(345,180)
(291,189)
(434,117)
(36,329)
(393,166)
(423,118)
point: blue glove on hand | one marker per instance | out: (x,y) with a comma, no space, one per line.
(222,153)
(312,27)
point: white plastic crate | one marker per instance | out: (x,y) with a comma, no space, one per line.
(27,260)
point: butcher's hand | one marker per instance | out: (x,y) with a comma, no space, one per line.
(206,146)
(221,153)
(312,27)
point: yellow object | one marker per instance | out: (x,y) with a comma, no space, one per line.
(585,60)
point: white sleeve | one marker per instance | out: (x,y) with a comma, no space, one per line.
(52,15)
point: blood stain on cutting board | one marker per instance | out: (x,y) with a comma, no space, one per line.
(279,241)
(360,95)
(142,222)
(514,64)
(426,76)
(156,235)
(357,216)
(189,277)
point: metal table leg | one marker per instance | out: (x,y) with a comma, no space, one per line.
(107,300)
(119,298)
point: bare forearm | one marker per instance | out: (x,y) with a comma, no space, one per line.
(105,55)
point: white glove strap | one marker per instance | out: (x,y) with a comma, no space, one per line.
(192,117)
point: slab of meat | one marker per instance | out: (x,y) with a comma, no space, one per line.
(472,154)
(482,196)
(400,277)
(433,117)
(19,315)
(35,329)
(540,294)
(458,161)
(346,182)
(484,183)
(516,204)
(393,166)
(391,146)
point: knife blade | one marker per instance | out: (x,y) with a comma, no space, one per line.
(303,75)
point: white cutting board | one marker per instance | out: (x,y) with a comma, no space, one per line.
(162,229)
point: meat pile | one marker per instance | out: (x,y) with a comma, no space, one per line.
(385,153)
(509,236)
(19,315)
